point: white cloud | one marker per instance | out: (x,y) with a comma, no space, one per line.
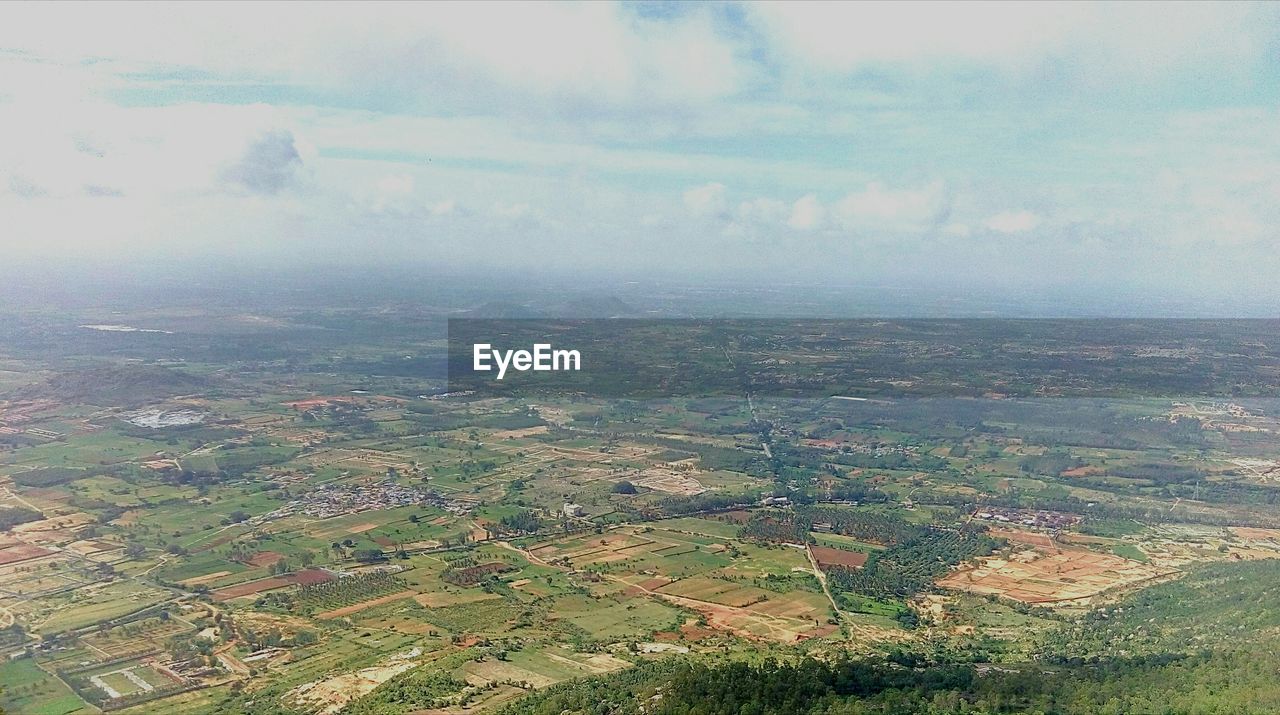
(879,208)
(841,36)
(807,213)
(1010,222)
(443,208)
(706,200)
(426,123)
(1104,39)
(762,211)
(391,192)
(506,210)
(61,145)
(590,53)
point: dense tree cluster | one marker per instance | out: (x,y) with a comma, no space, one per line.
(909,567)
(1228,681)
(12,516)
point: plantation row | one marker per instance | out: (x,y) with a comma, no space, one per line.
(348,590)
(911,567)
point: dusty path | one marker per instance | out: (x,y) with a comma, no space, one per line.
(822,579)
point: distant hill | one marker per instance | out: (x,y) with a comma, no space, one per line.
(495,310)
(592,306)
(580,306)
(119,385)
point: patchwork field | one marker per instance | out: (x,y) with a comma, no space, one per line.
(301,578)
(681,563)
(1044,573)
(314,540)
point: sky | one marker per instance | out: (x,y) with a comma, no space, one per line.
(1093,147)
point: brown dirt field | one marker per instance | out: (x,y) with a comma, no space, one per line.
(361,528)
(357,607)
(838,557)
(334,693)
(129,518)
(1041,576)
(50,494)
(264,558)
(66,522)
(751,622)
(1084,539)
(310,577)
(493,671)
(22,552)
(792,606)
(90,546)
(520,433)
(692,631)
(248,589)
(196,581)
(737,517)
(822,631)
(1255,534)
(301,578)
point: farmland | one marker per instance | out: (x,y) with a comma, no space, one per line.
(1046,573)
(315,541)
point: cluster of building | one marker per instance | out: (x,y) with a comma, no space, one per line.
(1027,517)
(329,500)
(874,450)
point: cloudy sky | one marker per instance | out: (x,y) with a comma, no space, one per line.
(992,144)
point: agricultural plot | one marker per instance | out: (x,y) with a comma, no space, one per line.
(672,481)
(100,603)
(305,577)
(137,638)
(120,684)
(715,591)
(695,572)
(616,617)
(29,689)
(1043,573)
(829,557)
(540,668)
(495,585)
(21,552)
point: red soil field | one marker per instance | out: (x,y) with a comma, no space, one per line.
(264,558)
(838,557)
(306,577)
(22,552)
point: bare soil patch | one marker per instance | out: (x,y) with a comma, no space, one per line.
(357,607)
